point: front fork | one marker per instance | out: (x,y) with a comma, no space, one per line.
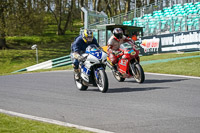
(132,67)
(96,73)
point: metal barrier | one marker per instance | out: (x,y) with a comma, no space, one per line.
(58,62)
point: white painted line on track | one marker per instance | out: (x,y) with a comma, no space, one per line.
(53,121)
(173,75)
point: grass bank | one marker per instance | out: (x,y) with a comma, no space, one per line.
(11,124)
(168,55)
(47,40)
(50,46)
(12,60)
(189,67)
(44,41)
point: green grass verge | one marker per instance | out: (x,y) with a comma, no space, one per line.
(50,46)
(168,55)
(12,60)
(190,67)
(12,124)
(45,41)
(48,39)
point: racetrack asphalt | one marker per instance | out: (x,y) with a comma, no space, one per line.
(162,104)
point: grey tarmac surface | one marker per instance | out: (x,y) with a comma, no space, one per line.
(162,104)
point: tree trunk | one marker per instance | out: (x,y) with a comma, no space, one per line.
(112,6)
(119,5)
(86,3)
(70,12)
(3,41)
(29,5)
(94,4)
(82,14)
(108,8)
(139,4)
(2,27)
(115,7)
(48,8)
(99,6)
(127,6)
(59,13)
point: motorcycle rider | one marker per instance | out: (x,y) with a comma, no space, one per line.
(114,44)
(79,47)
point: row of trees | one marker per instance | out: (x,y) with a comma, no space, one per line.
(31,17)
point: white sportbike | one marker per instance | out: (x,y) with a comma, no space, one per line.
(92,69)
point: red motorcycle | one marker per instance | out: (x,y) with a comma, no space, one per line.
(128,64)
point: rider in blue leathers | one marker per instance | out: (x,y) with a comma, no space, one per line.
(79,47)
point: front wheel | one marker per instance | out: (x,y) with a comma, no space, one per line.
(102,81)
(139,73)
(80,85)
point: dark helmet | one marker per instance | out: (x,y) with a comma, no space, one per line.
(118,33)
(87,36)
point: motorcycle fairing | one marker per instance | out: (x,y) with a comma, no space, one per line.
(132,52)
(94,57)
(96,53)
(123,66)
(86,70)
(85,73)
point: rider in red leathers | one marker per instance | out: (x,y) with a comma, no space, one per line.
(114,44)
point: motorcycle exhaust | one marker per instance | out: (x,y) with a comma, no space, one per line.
(85,83)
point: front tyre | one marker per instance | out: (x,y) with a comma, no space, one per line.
(80,85)
(102,81)
(139,73)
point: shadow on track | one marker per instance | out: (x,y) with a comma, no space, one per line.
(120,90)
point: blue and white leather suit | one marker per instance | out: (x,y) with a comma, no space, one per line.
(79,46)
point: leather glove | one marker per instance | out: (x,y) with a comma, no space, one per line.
(81,58)
(76,55)
(116,52)
(100,48)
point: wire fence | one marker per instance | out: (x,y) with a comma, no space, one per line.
(169,25)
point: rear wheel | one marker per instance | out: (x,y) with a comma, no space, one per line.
(139,73)
(80,85)
(102,81)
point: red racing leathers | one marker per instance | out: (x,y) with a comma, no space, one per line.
(114,45)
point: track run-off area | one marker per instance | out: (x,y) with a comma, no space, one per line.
(162,104)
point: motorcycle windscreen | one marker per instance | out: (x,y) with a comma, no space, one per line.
(123,66)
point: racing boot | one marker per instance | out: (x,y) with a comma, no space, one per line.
(112,66)
(77,74)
